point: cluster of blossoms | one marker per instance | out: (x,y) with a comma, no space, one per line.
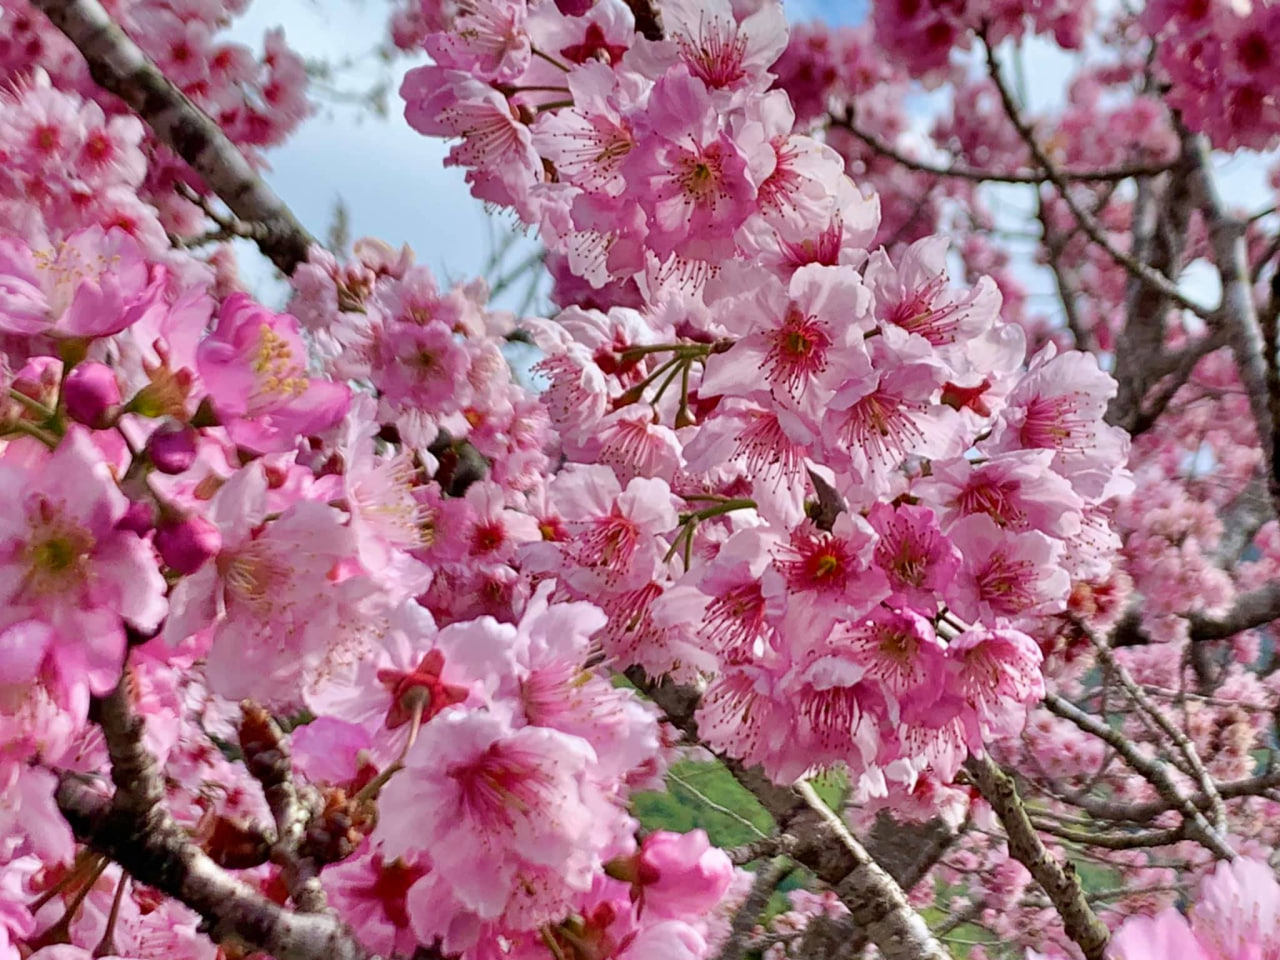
(257,100)
(1236,915)
(814,477)
(1220,59)
(1199,543)
(192,503)
(926,31)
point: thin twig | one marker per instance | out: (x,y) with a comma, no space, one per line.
(1152,770)
(1161,720)
(962,172)
(1088,224)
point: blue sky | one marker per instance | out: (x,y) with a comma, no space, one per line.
(396,187)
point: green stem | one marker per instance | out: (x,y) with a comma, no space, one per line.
(32,404)
(728,506)
(686,530)
(680,363)
(689,350)
(550,59)
(689,524)
(634,394)
(535,89)
(683,417)
(31,430)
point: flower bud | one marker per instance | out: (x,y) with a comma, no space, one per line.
(681,874)
(91,395)
(139,517)
(184,545)
(39,379)
(172,447)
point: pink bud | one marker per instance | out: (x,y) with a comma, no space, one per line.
(172,447)
(139,517)
(91,394)
(186,544)
(574,8)
(681,874)
(39,379)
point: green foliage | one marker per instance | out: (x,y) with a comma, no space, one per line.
(704,795)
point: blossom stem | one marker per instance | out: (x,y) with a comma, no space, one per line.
(60,932)
(31,430)
(686,531)
(554,105)
(371,789)
(550,941)
(107,945)
(509,90)
(550,59)
(683,417)
(32,404)
(681,363)
(634,394)
(728,506)
(689,524)
(691,350)
(87,863)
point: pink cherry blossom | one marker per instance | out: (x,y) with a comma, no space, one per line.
(254,366)
(1005,574)
(681,874)
(691,178)
(524,796)
(911,550)
(59,541)
(92,284)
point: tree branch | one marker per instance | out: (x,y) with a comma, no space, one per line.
(1058,880)
(138,781)
(744,920)
(268,760)
(1257,608)
(680,703)
(1253,609)
(976,175)
(818,839)
(1138,414)
(1146,812)
(1239,313)
(136,830)
(1161,720)
(1117,840)
(1152,770)
(156,851)
(876,903)
(1092,229)
(120,67)
(648,20)
(1068,288)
